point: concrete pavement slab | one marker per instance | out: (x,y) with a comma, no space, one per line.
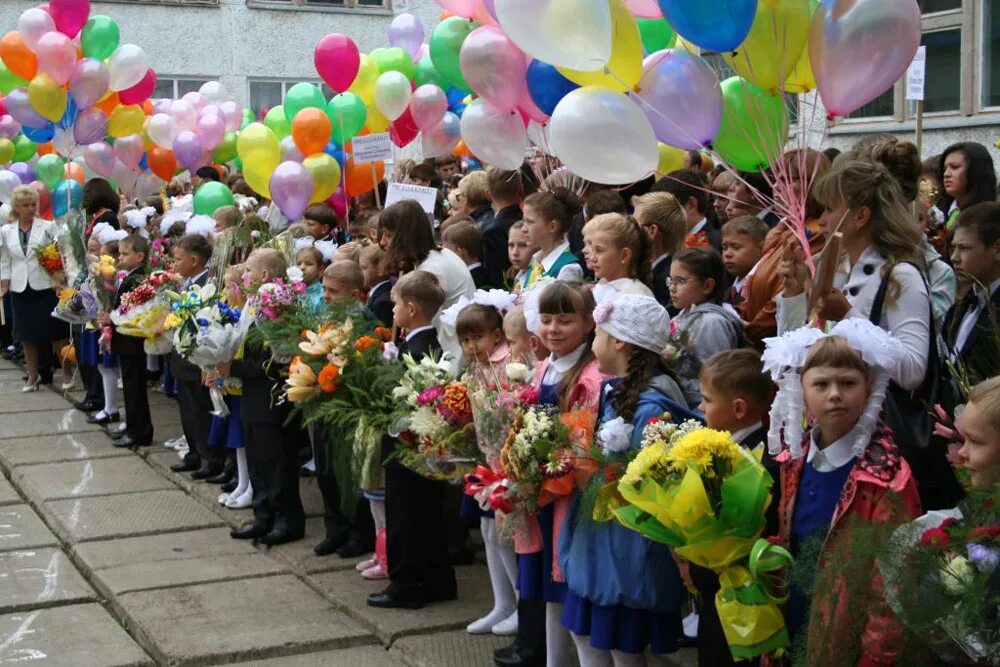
(448,649)
(299,555)
(20,528)
(36,578)
(67,447)
(361,656)
(127,515)
(238,620)
(33,402)
(8,494)
(68,637)
(95,477)
(47,422)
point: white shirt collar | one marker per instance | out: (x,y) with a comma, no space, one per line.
(983,298)
(665,256)
(551,258)
(698,227)
(378,285)
(416,331)
(836,456)
(765,212)
(740,435)
(194,279)
(558,367)
(474,265)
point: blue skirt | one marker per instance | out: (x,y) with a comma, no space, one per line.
(228,431)
(90,351)
(470,509)
(534,571)
(621,628)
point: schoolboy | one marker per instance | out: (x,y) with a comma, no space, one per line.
(466,240)
(132,253)
(742,247)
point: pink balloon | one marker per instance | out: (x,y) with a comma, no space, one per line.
(494,67)
(337,60)
(680,95)
(338,202)
(100,158)
(141,91)
(91,126)
(644,9)
(197,100)
(129,150)
(211,110)
(464,8)
(423,52)
(88,83)
(211,129)
(529,109)
(187,148)
(184,113)
(442,138)
(490,7)
(56,56)
(428,105)
(233,115)
(289,151)
(486,13)
(69,15)
(877,37)
(162,106)
(20,108)
(125,177)
(32,25)
(9,128)
(291,189)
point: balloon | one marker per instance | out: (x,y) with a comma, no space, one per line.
(23,170)
(212,196)
(126,67)
(656,34)
(442,138)
(6,151)
(233,115)
(187,148)
(291,189)
(129,150)
(801,80)
(680,95)
(446,45)
(406,32)
(403,130)
(325,173)
(17,57)
(91,126)
(69,115)
(9,128)
(44,198)
(108,103)
(214,92)
(426,73)
(393,60)
(302,96)
(141,91)
(56,56)
(428,105)
(624,67)
(496,138)
(754,125)
(392,94)
(336,152)
(196,100)
(859,48)
(289,151)
(40,135)
(493,67)
(9,81)
(774,44)
(347,116)
(644,9)
(358,177)
(8,181)
(125,120)
(211,129)
(375,120)
(73,171)
(364,84)
(257,147)
(311,131)
(337,60)
(20,108)
(88,83)
(277,121)
(69,15)
(161,162)
(32,25)
(99,37)
(226,150)
(47,97)
(565,33)
(49,169)
(24,148)
(466,8)
(338,202)
(162,129)
(547,86)
(67,194)
(184,113)
(714,25)
(100,158)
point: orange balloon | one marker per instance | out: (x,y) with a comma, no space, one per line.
(74,171)
(17,56)
(311,130)
(45,149)
(161,162)
(147,107)
(108,103)
(358,177)
(461,150)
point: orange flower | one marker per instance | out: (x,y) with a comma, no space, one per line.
(366,342)
(383,333)
(455,405)
(328,378)
(304,334)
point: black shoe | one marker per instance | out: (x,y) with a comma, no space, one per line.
(87,406)
(118,432)
(230,486)
(105,418)
(128,442)
(282,536)
(186,466)
(227,475)
(391,600)
(206,470)
(330,545)
(355,548)
(517,656)
(251,531)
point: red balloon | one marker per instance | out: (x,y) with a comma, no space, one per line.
(403,130)
(141,91)
(338,202)
(44,198)
(3,106)
(161,162)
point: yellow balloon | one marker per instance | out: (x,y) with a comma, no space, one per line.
(801,80)
(375,121)
(6,150)
(776,41)
(624,68)
(258,148)
(687,46)
(144,134)
(671,159)
(364,82)
(325,173)
(126,120)
(47,97)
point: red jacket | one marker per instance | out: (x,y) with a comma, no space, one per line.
(850,622)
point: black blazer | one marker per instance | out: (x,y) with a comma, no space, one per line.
(980,355)
(479,278)
(421,345)
(379,303)
(495,259)
(180,368)
(120,343)
(262,380)
(660,290)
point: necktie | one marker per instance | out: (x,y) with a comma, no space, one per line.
(536,273)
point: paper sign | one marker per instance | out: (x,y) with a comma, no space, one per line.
(915,75)
(372,148)
(426,197)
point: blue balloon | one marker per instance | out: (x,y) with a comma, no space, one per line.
(39,135)
(547,86)
(69,116)
(66,195)
(336,152)
(455,95)
(458,109)
(143,164)
(714,25)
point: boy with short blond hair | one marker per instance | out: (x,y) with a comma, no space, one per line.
(465,239)
(742,247)
(343,279)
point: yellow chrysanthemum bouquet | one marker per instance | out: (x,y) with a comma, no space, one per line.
(705,496)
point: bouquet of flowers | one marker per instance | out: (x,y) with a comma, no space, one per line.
(69,240)
(496,397)
(76,306)
(184,307)
(220,333)
(50,259)
(705,496)
(277,296)
(103,281)
(146,312)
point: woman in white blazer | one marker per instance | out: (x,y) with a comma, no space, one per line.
(32,293)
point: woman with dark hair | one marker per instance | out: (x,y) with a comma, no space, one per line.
(968,177)
(100,203)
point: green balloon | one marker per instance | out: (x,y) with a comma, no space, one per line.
(212,196)
(754,125)
(238,163)
(226,150)
(301,96)
(24,149)
(99,37)
(656,34)
(446,43)
(9,81)
(426,73)
(347,114)
(278,122)
(393,60)
(49,169)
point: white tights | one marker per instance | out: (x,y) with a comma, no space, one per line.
(378,513)
(109,379)
(558,639)
(242,473)
(502,564)
(595,657)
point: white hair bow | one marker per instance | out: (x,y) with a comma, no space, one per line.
(171,217)
(110,235)
(326,248)
(201,224)
(495,298)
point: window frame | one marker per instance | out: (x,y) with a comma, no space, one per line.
(980,60)
(285,85)
(175,79)
(347,6)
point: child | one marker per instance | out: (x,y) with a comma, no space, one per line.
(465,239)
(343,279)
(548,217)
(377,282)
(525,347)
(311,262)
(703,326)
(519,252)
(625,591)
(322,224)
(96,353)
(87,350)
(416,541)
(660,214)
(980,424)
(844,473)
(617,251)
(742,247)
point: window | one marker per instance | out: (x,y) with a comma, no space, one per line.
(942,88)
(990,66)
(348,4)
(175,89)
(265,94)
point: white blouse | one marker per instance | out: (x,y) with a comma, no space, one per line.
(456,281)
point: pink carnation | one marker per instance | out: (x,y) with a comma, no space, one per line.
(430,395)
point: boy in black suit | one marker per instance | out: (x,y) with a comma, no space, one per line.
(416,539)
(378,283)
(132,252)
(661,215)
(465,239)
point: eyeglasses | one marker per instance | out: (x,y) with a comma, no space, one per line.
(678,282)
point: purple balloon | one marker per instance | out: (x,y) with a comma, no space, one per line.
(88,83)
(20,108)
(407,32)
(681,97)
(24,171)
(91,126)
(9,128)
(289,151)
(129,150)
(211,128)
(187,148)
(490,7)
(100,158)
(291,189)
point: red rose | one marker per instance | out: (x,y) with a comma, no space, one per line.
(935,537)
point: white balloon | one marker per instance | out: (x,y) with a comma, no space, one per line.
(162,129)
(539,136)
(603,136)
(565,33)
(184,112)
(126,67)
(8,181)
(495,138)
(214,92)
(392,94)
(440,139)
(65,144)
(32,25)
(289,151)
